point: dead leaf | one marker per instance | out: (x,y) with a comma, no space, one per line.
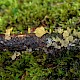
(78,34)
(7,33)
(65,34)
(70,38)
(64,43)
(40,31)
(16,54)
(13,56)
(60,30)
(29,30)
(75,33)
(69,30)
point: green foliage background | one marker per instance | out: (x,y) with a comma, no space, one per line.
(21,14)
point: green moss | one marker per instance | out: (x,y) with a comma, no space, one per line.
(30,13)
(21,14)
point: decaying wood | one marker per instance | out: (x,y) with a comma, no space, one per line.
(30,41)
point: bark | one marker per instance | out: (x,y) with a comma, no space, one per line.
(30,41)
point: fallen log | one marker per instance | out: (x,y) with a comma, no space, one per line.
(32,42)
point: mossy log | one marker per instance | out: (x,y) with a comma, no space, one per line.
(32,42)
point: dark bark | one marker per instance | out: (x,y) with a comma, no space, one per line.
(35,43)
